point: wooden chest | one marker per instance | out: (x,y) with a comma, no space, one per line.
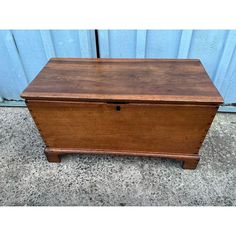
(145,107)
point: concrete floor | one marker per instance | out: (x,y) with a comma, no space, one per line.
(26,178)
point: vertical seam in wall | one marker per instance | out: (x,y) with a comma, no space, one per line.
(189,44)
(97,43)
(218,80)
(79,43)
(231,77)
(222,52)
(108,35)
(93,47)
(145,49)
(52,43)
(18,52)
(145,44)
(179,44)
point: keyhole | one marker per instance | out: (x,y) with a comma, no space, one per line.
(118,108)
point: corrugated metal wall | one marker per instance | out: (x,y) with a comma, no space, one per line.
(215,48)
(23,53)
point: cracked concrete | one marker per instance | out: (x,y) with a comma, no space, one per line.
(26,178)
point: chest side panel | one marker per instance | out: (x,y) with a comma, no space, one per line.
(123,127)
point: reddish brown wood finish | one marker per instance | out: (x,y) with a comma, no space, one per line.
(52,156)
(132,80)
(189,161)
(134,127)
(190,164)
(132,107)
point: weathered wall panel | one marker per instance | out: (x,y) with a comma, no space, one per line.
(215,48)
(23,53)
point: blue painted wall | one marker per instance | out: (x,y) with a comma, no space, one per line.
(23,53)
(215,48)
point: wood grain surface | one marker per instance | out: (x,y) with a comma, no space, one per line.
(128,80)
(147,128)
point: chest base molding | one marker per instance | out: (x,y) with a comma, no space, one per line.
(188,161)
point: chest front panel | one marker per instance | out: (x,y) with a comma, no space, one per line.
(124,127)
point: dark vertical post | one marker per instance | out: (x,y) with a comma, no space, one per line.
(97,43)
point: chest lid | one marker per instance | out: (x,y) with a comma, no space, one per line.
(124,80)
